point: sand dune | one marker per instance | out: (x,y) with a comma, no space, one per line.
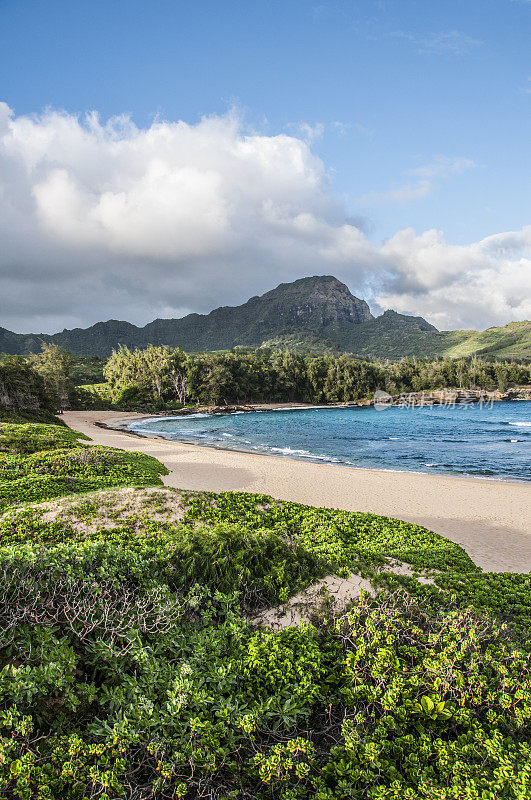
(489,519)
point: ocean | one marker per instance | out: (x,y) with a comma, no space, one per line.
(490,441)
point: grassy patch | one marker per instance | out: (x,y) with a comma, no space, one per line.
(23,417)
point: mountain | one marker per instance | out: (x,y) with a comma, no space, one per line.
(390,336)
(317,314)
(395,335)
(508,341)
(309,304)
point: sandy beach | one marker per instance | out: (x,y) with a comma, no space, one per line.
(489,519)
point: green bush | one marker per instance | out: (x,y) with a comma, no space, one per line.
(32,438)
(39,416)
(128,670)
(103,680)
(40,462)
(346,539)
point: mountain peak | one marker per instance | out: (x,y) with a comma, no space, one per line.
(393,318)
(318,313)
(316,301)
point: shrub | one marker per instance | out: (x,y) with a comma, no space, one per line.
(128,671)
(345,539)
(40,462)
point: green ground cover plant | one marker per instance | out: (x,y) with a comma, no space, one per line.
(130,666)
(38,463)
(22,439)
(343,538)
(20,417)
(504,595)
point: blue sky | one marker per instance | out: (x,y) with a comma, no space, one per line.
(419,111)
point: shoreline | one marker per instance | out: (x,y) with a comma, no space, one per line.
(123,427)
(488,518)
(423,398)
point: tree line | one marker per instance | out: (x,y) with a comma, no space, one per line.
(162,375)
(159,377)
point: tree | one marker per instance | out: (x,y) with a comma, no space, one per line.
(177,375)
(179,381)
(53,364)
(22,388)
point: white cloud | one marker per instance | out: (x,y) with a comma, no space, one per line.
(477,285)
(405,193)
(313,132)
(442,167)
(308,132)
(101,220)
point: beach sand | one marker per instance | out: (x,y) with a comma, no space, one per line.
(489,519)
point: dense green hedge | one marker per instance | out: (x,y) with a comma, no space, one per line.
(129,670)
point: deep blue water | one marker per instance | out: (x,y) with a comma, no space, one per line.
(490,441)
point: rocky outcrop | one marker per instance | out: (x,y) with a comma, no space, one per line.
(450,397)
(317,302)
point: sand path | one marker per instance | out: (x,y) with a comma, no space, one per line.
(489,519)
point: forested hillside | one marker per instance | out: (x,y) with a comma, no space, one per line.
(162,375)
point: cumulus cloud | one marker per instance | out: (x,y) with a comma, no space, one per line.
(102,220)
(478,285)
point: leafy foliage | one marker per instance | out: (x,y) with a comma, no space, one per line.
(128,668)
(144,377)
(32,388)
(38,463)
(343,538)
(22,388)
(86,369)
(504,595)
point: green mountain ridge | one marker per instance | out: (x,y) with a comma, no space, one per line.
(395,335)
(310,314)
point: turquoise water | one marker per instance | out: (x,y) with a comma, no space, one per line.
(490,441)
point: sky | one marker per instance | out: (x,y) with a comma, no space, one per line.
(159,157)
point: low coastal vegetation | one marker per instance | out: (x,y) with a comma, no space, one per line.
(132,665)
(66,468)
